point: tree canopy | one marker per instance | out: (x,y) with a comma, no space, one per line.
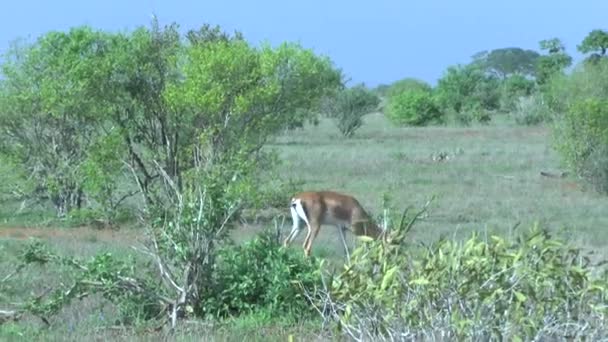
(507,61)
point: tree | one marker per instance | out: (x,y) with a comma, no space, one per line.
(465,87)
(596,42)
(144,101)
(49,112)
(349,106)
(507,61)
(552,63)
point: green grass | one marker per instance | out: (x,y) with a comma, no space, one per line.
(490,182)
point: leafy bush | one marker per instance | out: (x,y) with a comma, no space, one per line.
(260,275)
(581,125)
(349,106)
(413,107)
(583,140)
(534,287)
(513,89)
(407,84)
(531,110)
(462,88)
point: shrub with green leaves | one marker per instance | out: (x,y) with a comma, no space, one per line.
(513,89)
(349,106)
(531,110)
(465,86)
(413,107)
(532,287)
(260,275)
(407,84)
(581,125)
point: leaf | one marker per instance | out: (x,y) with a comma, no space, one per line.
(520,296)
(388,277)
(364,238)
(420,281)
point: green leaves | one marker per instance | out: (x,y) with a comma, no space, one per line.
(415,107)
(348,107)
(498,288)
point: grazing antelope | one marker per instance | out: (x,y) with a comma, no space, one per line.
(316,208)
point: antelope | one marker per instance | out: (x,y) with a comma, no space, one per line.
(316,208)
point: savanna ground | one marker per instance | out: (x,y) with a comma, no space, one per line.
(488,180)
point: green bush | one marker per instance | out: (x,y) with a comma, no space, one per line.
(349,106)
(486,288)
(414,107)
(464,87)
(513,89)
(407,84)
(581,124)
(583,140)
(260,275)
(531,110)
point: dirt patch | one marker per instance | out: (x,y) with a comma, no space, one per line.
(80,233)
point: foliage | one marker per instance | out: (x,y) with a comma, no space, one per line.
(513,89)
(581,125)
(48,110)
(415,107)
(119,281)
(596,42)
(407,84)
(534,287)
(86,107)
(531,110)
(465,88)
(554,62)
(507,62)
(261,275)
(349,106)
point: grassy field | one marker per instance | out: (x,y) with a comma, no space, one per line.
(489,182)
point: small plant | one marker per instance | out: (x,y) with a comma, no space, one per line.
(260,275)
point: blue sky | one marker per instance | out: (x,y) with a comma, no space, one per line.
(372,41)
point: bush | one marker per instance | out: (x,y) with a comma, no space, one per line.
(583,140)
(260,275)
(581,125)
(533,287)
(513,89)
(531,110)
(464,87)
(349,106)
(407,84)
(413,108)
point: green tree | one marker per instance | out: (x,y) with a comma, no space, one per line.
(464,87)
(507,61)
(49,112)
(595,42)
(553,62)
(349,106)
